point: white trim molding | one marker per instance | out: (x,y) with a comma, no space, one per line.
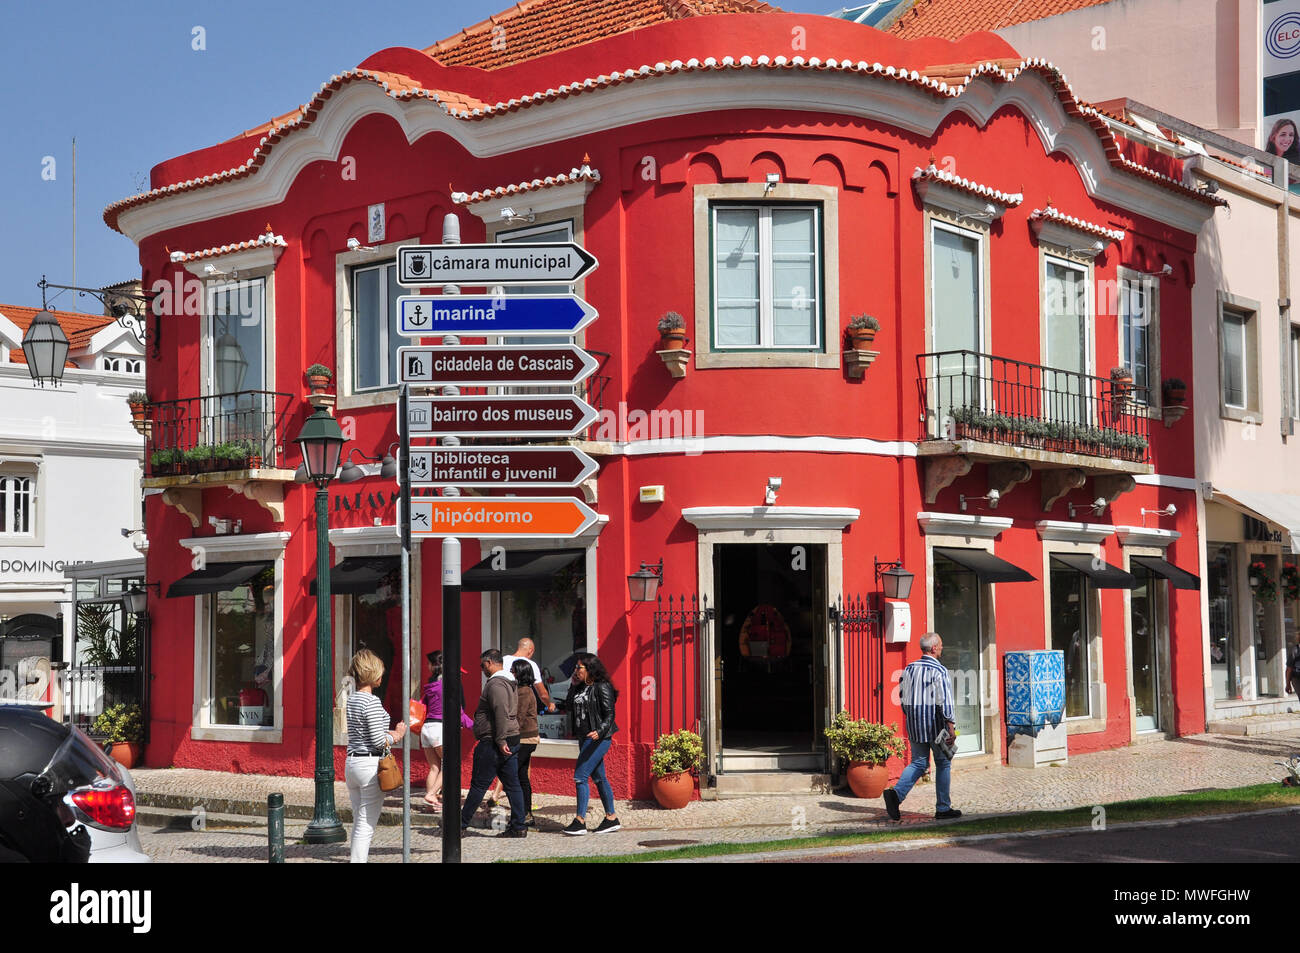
(365,541)
(1063,531)
(1085,239)
(1133,536)
(716,518)
(967,526)
(693,446)
(961,197)
(248,547)
(552,194)
(261,252)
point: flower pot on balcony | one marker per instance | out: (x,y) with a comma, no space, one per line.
(137,413)
(861,338)
(673,340)
(255,461)
(318,383)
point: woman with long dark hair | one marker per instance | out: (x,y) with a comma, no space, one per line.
(431,733)
(529,738)
(1282,140)
(593,718)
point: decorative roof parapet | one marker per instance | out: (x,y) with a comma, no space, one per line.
(264,240)
(584,173)
(1050,214)
(963,197)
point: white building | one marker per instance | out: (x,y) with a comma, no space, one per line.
(70,470)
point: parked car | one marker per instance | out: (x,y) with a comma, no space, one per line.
(61,797)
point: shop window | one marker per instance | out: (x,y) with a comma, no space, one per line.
(957,594)
(377,626)
(1139,312)
(555,619)
(1070,628)
(17,504)
(241,647)
(1221,566)
(374,326)
(766,277)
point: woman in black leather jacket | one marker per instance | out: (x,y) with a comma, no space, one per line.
(593,715)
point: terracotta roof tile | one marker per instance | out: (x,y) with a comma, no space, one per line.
(1050,214)
(265,239)
(79,328)
(537,27)
(584,174)
(951,19)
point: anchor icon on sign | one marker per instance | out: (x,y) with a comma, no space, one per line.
(418,318)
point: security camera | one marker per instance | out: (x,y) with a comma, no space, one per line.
(994,496)
(1099,505)
(1170,510)
(1167,270)
(353,244)
(769,496)
(773,179)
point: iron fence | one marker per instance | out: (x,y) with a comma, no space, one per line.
(216,432)
(680,642)
(862,647)
(969,395)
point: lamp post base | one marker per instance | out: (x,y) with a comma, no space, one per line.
(324,832)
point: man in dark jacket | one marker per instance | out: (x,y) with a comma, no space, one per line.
(496,727)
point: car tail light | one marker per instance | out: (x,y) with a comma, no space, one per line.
(113,808)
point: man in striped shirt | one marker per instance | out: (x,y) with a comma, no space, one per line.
(928,708)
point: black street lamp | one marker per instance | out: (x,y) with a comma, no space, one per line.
(46,348)
(321,441)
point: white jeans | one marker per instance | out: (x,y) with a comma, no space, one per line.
(362,776)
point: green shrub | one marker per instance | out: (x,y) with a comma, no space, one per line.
(675,752)
(856,739)
(119,722)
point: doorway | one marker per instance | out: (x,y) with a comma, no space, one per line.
(1146,618)
(772,648)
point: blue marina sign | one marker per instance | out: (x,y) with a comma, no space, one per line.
(432,315)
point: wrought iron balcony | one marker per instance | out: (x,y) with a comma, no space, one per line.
(970,396)
(217,433)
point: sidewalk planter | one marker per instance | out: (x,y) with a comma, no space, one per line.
(673,791)
(675,756)
(867,747)
(867,779)
(125,753)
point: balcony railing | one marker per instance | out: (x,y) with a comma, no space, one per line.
(966,395)
(215,433)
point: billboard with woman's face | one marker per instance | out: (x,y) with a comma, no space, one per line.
(1280,58)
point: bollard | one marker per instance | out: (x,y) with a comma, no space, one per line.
(275,828)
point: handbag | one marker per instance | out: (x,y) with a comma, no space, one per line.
(416,713)
(390,772)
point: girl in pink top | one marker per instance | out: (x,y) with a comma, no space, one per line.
(431,733)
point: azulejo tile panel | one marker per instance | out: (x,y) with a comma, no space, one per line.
(1035,689)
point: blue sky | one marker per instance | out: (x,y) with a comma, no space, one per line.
(124,79)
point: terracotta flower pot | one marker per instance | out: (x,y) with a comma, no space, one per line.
(254,462)
(1176,396)
(125,753)
(318,383)
(673,791)
(867,780)
(674,340)
(862,338)
(137,412)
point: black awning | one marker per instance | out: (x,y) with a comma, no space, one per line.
(359,575)
(1181,578)
(1101,574)
(215,577)
(526,569)
(986,566)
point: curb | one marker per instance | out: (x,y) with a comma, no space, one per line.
(958,840)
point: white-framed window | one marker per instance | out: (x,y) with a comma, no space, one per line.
(766,277)
(1139,312)
(1235,386)
(374,326)
(1239,383)
(239,357)
(1067,340)
(956,315)
(241,653)
(17,504)
(1295,370)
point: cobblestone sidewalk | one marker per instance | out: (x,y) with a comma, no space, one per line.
(1180,765)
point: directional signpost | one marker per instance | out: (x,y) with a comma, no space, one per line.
(481,467)
(494,365)
(453,416)
(421,316)
(514,263)
(505,517)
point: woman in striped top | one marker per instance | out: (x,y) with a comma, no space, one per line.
(368,735)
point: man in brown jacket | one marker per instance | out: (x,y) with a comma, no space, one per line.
(496,727)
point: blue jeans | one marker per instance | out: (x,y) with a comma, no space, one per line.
(920,762)
(591,764)
(491,762)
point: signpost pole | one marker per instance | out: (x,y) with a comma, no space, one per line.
(451,687)
(404,475)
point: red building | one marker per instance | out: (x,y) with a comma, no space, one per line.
(767,176)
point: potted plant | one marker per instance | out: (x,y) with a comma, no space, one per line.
(1290,581)
(138,402)
(1175,392)
(198,459)
(1121,385)
(318,378)
(672,332)
(676,755)
(1264,588)
(867,747)
(121,726)
(164,462)
(253,452)
(862,331)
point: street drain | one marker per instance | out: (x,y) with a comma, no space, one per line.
(665,843)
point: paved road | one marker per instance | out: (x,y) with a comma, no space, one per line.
(1274,838)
